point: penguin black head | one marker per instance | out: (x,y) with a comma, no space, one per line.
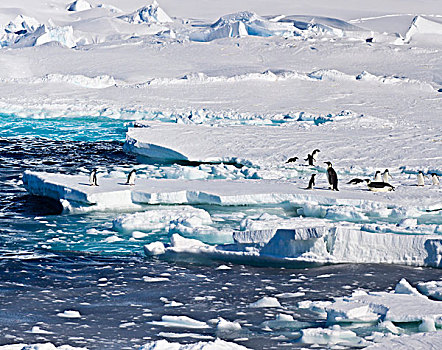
(367,181)
(378,172)
(313,175)
(328,163)
(420,172)
(316,151)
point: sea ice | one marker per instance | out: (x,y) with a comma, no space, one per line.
(432,289)
(180,322)
(266,302)
(431,340)
(217,344)
(331,336)
(79,5)
(152,13)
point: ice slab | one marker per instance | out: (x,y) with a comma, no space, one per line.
(113,193)
(152,13)
(432,289)
(314,244)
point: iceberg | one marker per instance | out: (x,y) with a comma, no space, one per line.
(79,5)
(242,24)
(152,13)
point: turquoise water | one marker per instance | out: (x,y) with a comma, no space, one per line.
(91,129)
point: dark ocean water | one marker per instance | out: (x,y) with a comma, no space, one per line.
(49,263)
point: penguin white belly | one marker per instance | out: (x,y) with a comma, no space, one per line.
(420,180)
(380,189)
(378,178)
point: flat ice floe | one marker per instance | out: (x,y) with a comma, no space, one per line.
(75,190)
(217,344)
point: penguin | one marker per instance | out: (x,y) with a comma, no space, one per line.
(379,186)
(332,177)
(435,179)
(377,176)
(131,178)
(386,176)
(311,183)
(310,159)
(420,179)
(315,154)
(93,178)
(292,160)
(355,181)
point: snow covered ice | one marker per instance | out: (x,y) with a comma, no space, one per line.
(208,102)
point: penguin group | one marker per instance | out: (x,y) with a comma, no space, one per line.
(130,178)
(380,183)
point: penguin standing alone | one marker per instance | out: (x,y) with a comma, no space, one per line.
(310,159)
(315,154)
(332,177)
(93,178)
(420,179)
(131,178)
(435,179)
(311,183)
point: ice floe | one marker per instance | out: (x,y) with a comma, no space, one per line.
(180,322)
(39,346)
(313,243)
(431,340)
(217,344)
(422,28)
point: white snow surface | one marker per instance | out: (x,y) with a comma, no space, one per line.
(432,289)
(39,346)
(428,340)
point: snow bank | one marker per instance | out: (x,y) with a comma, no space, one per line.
(152,13)
(242,24)
(218,344)
(79,5)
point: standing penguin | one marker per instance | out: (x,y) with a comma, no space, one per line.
(310,159)
(315,154)
(435,179)
(311,183)
(131,178)
(386,176)
(332,177)
(378,177)
(93,178)
(420,179)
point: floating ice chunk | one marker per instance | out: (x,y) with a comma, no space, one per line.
(266,302)
(42,346)
(227,326)
(155,279)
(154,248)
(79,5)
(403,287)
(69,314)
(330,336)
(218,344)
(432,289)
(180,322)
(113,239)
(38,330)
(162,218)
(390,327)
(152,13)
